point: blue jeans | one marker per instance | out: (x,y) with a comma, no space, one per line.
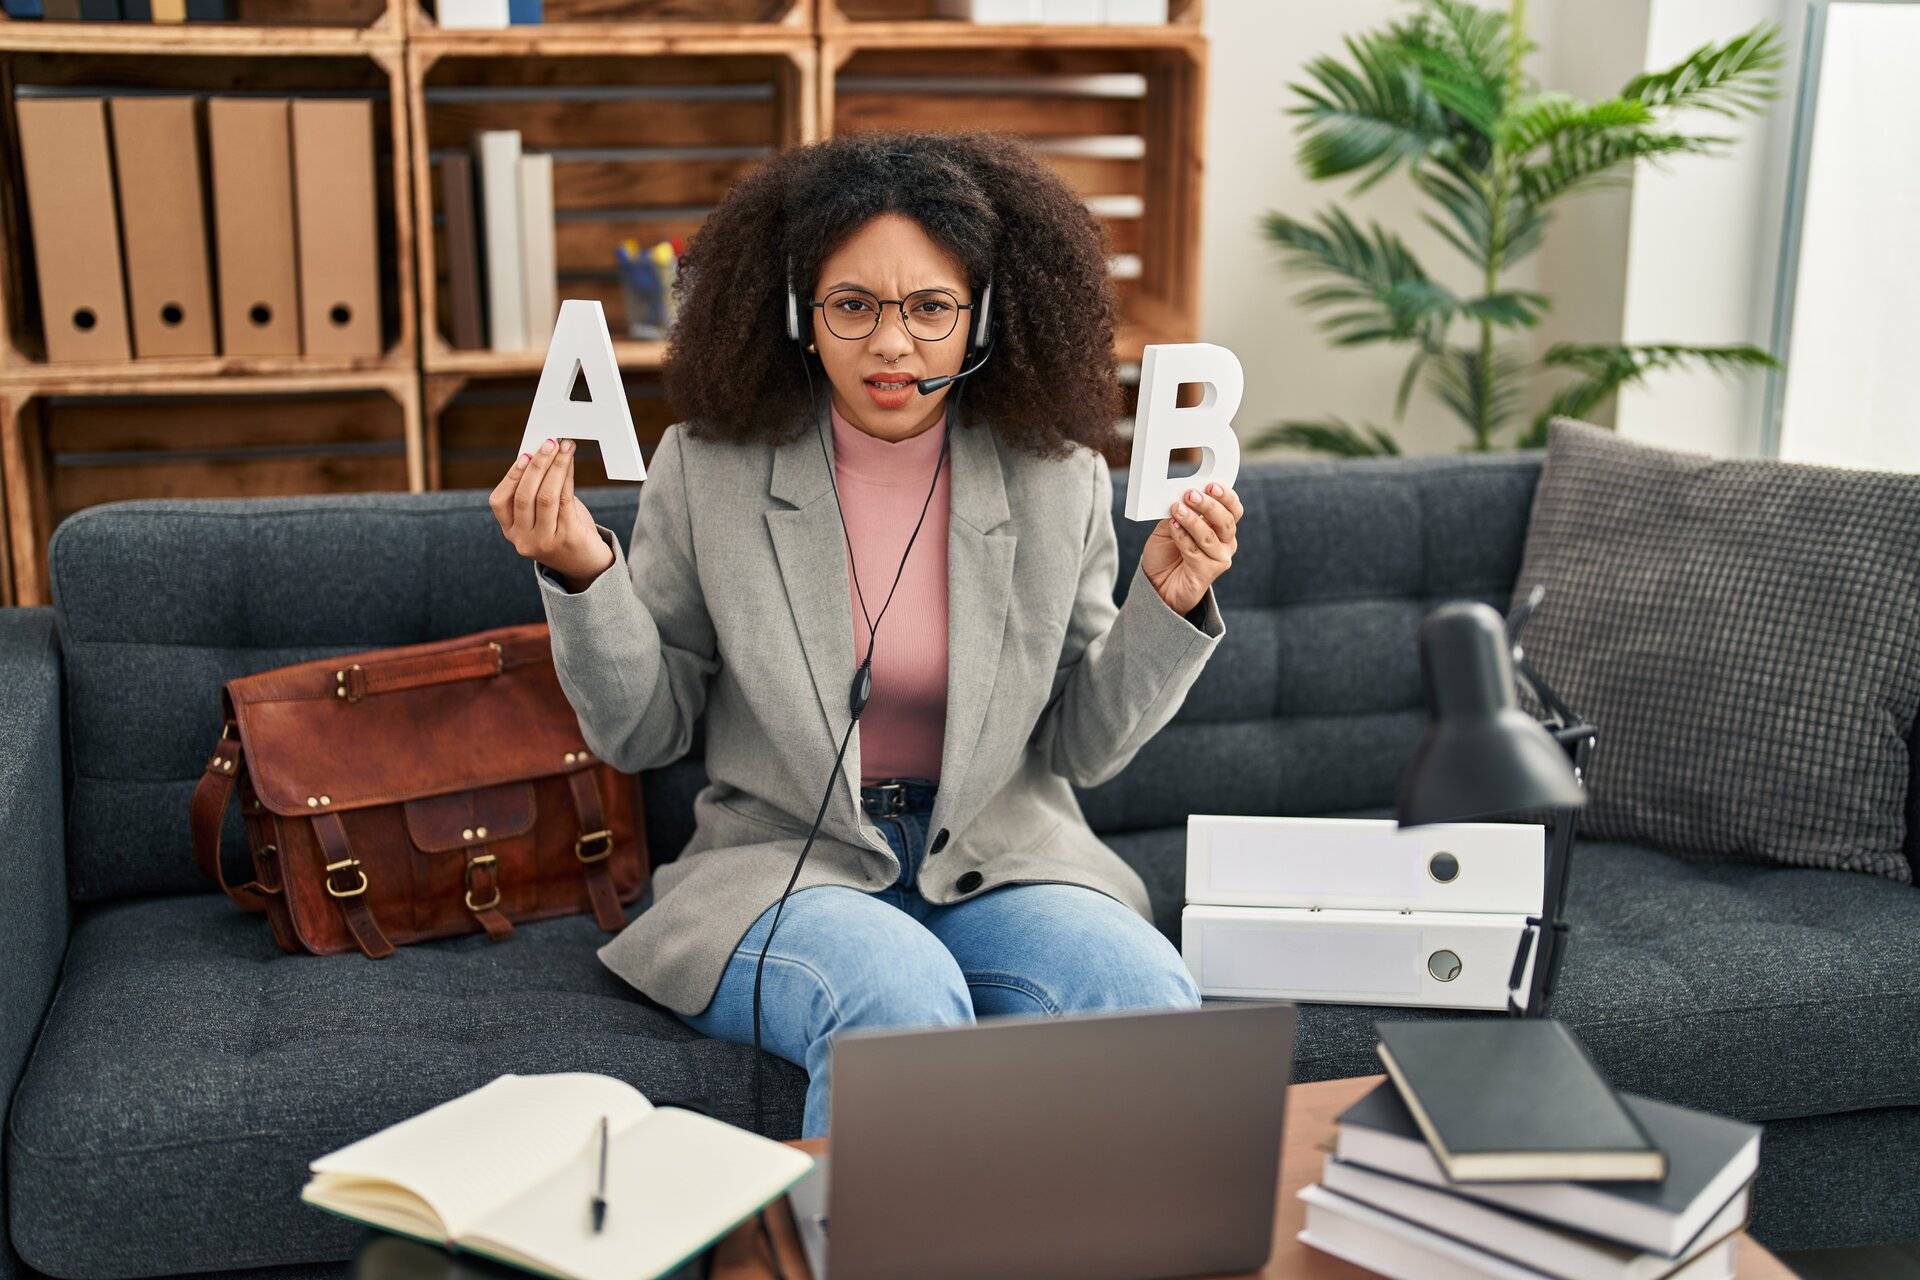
(845,957)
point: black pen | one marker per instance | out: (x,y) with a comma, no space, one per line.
(600,1196)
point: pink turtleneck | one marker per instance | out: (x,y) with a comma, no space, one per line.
(882,485)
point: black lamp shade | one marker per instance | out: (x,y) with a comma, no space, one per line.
(1481,754)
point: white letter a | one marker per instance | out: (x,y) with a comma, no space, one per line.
(581,353)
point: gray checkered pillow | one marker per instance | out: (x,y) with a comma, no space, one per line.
(1746,634)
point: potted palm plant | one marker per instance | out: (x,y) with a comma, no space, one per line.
(1444,93)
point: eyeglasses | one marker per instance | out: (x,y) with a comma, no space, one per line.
(929,314)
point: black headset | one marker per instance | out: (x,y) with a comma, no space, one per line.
(979,339)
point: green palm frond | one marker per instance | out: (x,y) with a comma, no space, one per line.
(1377,113)
(1464,195)
(1388,292)
(1509,308)
(1551,117)
(1481,395)
(1335,436)
(1592,161)
(1462,52)
(1727,78)
(1608,367)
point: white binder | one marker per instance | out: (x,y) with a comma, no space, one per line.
(1366,864)
(1432,959)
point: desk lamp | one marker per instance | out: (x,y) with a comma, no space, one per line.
(1482,756)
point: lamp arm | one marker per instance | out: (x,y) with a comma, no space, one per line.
(1564,715)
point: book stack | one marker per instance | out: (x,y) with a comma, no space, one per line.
(1495,1149)
(499,241)
(1360,911)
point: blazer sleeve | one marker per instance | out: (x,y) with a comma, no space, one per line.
(1124,669)
(635,648)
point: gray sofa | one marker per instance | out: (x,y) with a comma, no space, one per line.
(169,1072)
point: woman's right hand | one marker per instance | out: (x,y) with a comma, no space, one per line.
(539,515)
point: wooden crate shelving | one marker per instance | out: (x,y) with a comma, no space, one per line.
(1118,113)
(654,107)
(918,20)
(621,20)
(644,141)
(293,66)
(318,22)
(65,445)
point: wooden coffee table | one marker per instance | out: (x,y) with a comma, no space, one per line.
(1311,1110)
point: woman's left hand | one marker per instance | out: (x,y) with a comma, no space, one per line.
(1192,546)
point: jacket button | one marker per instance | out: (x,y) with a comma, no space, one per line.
(968,882)
(939,841)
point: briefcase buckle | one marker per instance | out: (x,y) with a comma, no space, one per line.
(606,846)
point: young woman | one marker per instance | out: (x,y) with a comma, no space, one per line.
(812,493)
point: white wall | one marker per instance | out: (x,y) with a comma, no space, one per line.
(1852,389)
(1257,46)
(1705,241)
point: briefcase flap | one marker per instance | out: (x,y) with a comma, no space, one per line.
(393,725)
(438,824)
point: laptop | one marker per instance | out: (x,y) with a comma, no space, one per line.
(1131,1146)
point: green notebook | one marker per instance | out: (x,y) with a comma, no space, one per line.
(509,1170)
(1515,1100)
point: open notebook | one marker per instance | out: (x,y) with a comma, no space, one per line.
(509,1170)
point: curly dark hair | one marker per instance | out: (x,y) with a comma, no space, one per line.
(731,372)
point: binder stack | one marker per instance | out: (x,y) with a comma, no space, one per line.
(1360,910)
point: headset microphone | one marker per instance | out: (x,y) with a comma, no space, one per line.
(927,386)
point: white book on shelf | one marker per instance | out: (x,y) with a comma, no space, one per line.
(1073,12)
(1403,1250)
(540,283)
(990,10)
(497,155)
(1424,959)
(1369,864)
(470,13)
(1146,13)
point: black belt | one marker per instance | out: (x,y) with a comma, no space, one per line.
(895,796)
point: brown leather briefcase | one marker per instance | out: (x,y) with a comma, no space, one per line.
(418,792)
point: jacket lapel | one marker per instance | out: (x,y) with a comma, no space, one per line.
(812,554)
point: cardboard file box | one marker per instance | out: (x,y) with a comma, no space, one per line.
(156,153)
(259,293)
(76,230)
(338,231)
(1418,958)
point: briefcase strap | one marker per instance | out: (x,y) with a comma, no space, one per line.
(346,882)
(593,847)
(207,813)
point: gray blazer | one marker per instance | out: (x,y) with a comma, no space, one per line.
(734,602)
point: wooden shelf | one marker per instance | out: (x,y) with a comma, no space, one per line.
(918,20)
(292,67)
(205,37)
(474,422)
(621,21)
(950,34)
(309,25)
(66,445)
(1121,122)
(653,108)
(733,106)
(630,353)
